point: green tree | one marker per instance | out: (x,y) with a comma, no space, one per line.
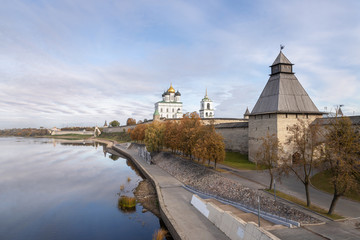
(341,157)
(114,123)
(154,136)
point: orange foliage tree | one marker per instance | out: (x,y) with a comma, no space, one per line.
(130,121)
(188,127)
(187,136)
(138,133)
(209,145)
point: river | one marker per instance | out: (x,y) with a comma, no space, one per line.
(54,190)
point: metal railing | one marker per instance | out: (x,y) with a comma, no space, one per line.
(265,215)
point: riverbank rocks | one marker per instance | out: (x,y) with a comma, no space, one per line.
(208,181)
(145,194)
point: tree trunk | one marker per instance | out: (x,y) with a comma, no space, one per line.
(334,200)
(215,164)
(271,181)
(308,203)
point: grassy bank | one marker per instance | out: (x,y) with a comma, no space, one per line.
(67,136)
(239,161)
(119,136)
(302,203)
(322,181)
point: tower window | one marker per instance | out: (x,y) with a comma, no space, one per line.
(160,109)
(173,110)
(208,106)
(167,110)
(206,114)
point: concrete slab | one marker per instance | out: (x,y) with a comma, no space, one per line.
(295,234)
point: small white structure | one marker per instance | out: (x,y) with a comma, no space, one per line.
(170,106)
(206,107)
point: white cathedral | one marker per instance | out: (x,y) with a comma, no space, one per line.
(171,107)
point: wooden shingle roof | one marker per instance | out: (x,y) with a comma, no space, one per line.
(281,58)
(283,93)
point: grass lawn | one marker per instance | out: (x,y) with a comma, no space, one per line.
(302,203)
(119,136)
(239,161)
(321,181)
(68,136)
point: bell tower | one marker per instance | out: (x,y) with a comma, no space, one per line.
(206,107)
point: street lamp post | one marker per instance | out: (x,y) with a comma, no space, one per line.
(259,211)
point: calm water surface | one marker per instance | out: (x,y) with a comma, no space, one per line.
(50,190)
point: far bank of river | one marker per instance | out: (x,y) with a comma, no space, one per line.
(53,189)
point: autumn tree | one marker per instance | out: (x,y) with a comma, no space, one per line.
(305,141)
(269,155)
(138,133)
(209,145)
(172,135)
(341,157)
(154,136)
(216,147)
(189,124)
(130,121)
(114,123)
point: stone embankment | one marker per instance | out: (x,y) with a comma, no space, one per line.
(208,181)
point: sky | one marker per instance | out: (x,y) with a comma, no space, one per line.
(81,62)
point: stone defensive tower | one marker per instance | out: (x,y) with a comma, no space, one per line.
(282,102)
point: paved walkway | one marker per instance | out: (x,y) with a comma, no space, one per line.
(331,230)
(190,223)
(292,186)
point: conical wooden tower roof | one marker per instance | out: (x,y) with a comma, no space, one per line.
(283,92)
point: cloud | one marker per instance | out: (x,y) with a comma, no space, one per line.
(84,62)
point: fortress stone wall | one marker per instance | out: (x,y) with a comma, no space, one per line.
(235,136)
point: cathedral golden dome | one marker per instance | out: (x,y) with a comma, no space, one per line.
(171,89)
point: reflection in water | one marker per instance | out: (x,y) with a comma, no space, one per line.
(114,157)
(66,192)
(127,204)
(133,167)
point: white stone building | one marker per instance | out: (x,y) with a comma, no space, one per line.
(206,107)
(170,106)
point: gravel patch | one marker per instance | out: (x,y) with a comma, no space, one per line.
(203,179)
